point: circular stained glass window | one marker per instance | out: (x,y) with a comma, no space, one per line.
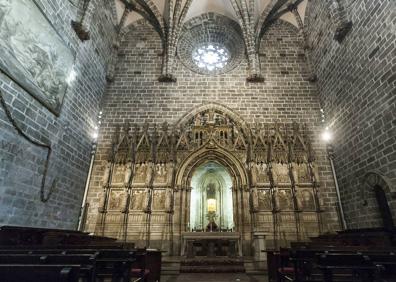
(211,57)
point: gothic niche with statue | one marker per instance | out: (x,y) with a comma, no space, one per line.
(209,176)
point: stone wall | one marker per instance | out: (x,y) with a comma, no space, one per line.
(136,96)
(21,163)
(357,82)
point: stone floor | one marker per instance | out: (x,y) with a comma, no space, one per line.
(215,277)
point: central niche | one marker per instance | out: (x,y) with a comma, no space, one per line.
(211,207)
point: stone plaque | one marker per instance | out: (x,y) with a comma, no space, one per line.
(33,54)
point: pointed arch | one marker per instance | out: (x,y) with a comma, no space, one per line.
(216,107)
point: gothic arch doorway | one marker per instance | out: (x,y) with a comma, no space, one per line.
(211,202)
(213,173)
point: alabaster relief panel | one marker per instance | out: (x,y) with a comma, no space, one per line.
(163,173)
(302,173)
(33,53)
(141,171)
(119,172)
(305,199)
(260,171)
(137,199)
(284,199)
(280,173)
(117,200)
(264,199)
(159,200)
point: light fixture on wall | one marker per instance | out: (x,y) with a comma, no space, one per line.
(327,137)
(85,205)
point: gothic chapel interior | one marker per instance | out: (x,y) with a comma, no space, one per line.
(197,136)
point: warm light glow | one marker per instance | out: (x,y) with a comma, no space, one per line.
(211,205)
(211,57)
(95,135)
(327,135)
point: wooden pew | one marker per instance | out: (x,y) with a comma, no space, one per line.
(39,273)
(347,267)
(83,256)
(310,260)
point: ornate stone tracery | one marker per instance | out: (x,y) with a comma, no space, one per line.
(275,179)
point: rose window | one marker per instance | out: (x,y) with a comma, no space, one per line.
(211,57)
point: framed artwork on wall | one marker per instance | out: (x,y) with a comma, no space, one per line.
(33,53)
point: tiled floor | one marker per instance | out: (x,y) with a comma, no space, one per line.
(215,277)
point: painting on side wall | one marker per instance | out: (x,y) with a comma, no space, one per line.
(33,54)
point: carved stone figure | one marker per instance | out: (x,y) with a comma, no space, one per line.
(141,170)
(169,168)
(280,174)
(159,200)
(102,202)
(115,200)
(284,199)
(124,202)
(118,174)
(305,199)
(137,200)
(128,174)
(302,173)
(160,173)
(147,201)
(264,200)
(106,174)
(314,173)
(198,120)
(255,199)
(168,200)
(33,53)
(294,171)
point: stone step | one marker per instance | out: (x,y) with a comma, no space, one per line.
(217,268)
(210,265)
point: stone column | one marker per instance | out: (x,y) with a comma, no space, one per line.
(260,257)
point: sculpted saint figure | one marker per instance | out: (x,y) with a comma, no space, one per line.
(314,172)
(106,174)
(295,172)
(124,202)
(168,200)
(102,201)
(128,174)
(255,199)
(146,205)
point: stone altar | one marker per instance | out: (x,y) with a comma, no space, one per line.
(211,244)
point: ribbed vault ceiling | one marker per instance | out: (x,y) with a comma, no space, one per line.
(223,7)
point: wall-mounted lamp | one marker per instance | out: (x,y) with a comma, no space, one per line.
(85,205)
(327,137)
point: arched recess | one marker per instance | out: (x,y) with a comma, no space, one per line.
(216,154)
(376,184)
(214,119)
